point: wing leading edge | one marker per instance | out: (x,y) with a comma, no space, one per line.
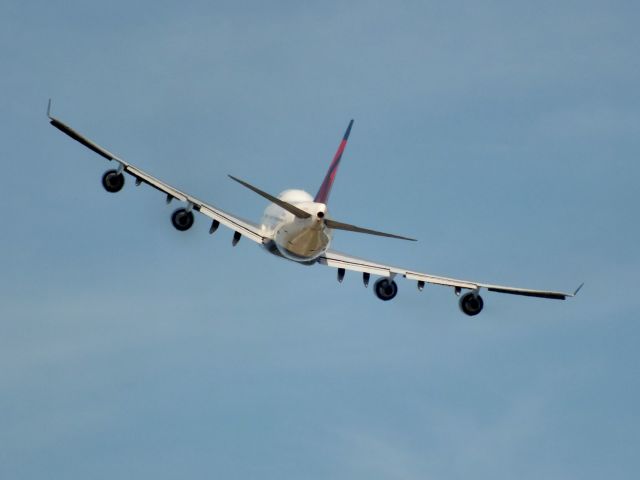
(348,262)
(239,225)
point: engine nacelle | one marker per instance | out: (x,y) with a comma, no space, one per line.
(112,181)
(471,303)
(385,289)
(182,219)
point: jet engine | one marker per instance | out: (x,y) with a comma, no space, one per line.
(385,289)
(471,303)
(182,219)
(112,181)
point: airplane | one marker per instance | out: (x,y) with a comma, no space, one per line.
(297,227)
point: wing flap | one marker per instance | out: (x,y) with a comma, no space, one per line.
(159,185)
(247,229)
(338,260)
(444,281)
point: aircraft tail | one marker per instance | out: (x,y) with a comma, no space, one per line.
(325,189)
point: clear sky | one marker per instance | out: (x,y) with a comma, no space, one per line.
(503,135)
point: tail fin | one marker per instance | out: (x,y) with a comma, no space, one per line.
(323,193)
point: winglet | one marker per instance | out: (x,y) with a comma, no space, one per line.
(578,289)
(49,109)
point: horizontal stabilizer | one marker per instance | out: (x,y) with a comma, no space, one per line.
(352,228)
(298,212)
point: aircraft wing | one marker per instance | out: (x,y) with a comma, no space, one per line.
(243,227)
(347,262)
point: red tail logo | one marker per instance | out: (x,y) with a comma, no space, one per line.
(323,193)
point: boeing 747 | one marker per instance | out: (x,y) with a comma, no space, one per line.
(298,227)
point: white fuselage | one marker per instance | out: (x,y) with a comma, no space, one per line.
(299,239)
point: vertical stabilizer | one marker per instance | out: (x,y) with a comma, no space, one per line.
(323,193)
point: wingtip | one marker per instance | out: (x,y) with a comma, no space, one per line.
(49,108)
(578,289)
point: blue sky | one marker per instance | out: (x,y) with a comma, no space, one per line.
(504,136)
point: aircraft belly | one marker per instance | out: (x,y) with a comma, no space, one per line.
(302,245)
